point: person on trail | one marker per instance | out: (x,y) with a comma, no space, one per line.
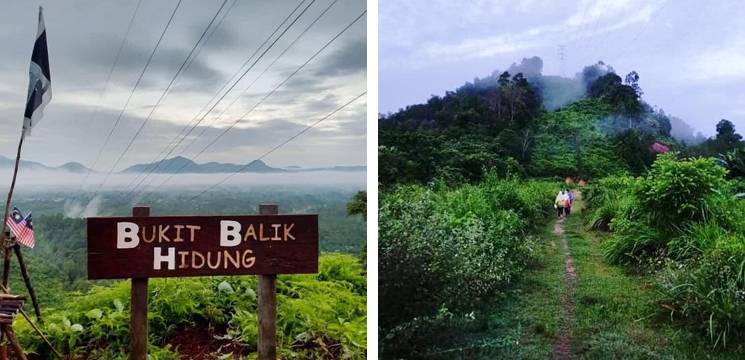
(569,202)
(568,197)
(559,203)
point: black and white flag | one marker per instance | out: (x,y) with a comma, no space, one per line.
(39,85)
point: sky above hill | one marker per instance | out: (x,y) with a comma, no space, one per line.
(84,37)
(690,54)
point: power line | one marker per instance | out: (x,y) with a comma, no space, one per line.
(137,83)
(280,145)
(155,163)
(168,88)
(105,89)
(204,128)
(267,95)
(199,50)
(234,83)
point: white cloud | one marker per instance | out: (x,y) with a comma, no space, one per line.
(431,38)
(723,61)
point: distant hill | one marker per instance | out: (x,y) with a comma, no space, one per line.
(181,164)
(178,164)
(73,167)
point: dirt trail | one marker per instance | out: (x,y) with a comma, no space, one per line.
(563,344)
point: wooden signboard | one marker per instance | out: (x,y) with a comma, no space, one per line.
(168,246)
(140,247)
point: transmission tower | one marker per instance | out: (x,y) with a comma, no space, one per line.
(562,54)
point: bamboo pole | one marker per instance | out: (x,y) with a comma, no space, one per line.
(27,280)
(3,236)
(7,203)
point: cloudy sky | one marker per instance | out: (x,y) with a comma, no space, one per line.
(84,36)
(690,54)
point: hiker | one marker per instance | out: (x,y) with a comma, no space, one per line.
(568,207)
(559,203)
(568,201)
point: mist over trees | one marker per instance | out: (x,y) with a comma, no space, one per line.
(520,122)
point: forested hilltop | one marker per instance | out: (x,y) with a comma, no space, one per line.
(475,262)
(521,122)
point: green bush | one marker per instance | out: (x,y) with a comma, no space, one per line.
(319,314)
(682,218)
(449,249)
(676,191)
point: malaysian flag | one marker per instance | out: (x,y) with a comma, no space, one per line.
(22,227)
(40,81)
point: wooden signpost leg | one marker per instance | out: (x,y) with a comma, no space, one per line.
(267,306)
(138,308)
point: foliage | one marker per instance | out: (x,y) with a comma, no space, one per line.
(488,124)
(569,143)
(725,141)
(675,192)
(329,306)
(446,250)
(682,220)
(358,205)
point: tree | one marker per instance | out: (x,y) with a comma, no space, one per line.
(726,133)
(725,141)
(632,79)
(623,98)
(634,149)
(358,205)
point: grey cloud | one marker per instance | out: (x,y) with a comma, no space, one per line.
(83,39)
(350,58)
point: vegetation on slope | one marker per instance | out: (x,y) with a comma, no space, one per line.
(321,316)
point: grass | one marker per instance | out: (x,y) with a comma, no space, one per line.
(617,314)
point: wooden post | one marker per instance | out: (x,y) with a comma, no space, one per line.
(267,306)
(138,308)
(8,330)
(3,349)
(6,261)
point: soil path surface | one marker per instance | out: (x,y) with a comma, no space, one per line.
(563,345)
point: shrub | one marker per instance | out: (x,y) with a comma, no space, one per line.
(448,249)
(330,306)
(676,191)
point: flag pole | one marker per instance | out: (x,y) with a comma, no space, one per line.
(5,240)
(9,246)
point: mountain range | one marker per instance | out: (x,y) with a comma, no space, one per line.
(178,164)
